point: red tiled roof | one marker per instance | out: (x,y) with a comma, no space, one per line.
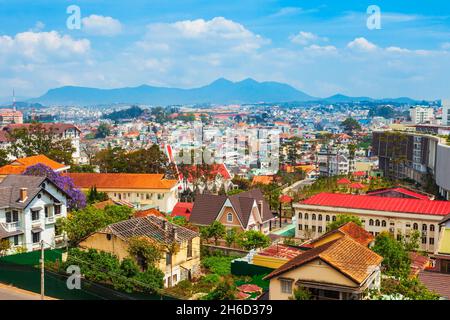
(343,181)
(437,282)
(285,199)
(357,185)
(148,212)
(182,209)
(280,251)
(404,191)
(214,170)
(359,173)
(365,202)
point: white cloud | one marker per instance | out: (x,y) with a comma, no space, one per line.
(362,44)
(303,38)
(42,46)
(322,49)
(217,34)
(101,26)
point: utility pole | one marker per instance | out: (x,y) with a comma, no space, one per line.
(42,271)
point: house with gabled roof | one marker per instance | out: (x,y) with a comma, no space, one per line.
(244,211)
(29,209)
(341,269)
(116,237)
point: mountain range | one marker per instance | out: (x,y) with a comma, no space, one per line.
(221,91)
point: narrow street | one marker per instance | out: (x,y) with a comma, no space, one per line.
(13,293)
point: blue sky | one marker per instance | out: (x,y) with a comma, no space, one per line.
(320,47)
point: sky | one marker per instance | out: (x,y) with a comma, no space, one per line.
(320,47)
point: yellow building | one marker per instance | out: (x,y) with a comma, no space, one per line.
(179,266)
(138,189)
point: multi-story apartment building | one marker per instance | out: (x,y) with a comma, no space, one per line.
(421,115)
(9,116)
(399,216)
(413,155)
(446,112)
(30,207)
(333,163)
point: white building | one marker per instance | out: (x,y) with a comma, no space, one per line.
(30,207)
(421,115)
(446,112)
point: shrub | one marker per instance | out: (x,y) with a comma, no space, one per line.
(218,265)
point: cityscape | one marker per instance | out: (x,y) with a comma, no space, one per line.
(299,152)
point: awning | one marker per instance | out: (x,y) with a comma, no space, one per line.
(37,230)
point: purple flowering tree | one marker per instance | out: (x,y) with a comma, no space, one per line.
(76,199)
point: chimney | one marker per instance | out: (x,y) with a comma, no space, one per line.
(175,234)
(23,194)
(165,225)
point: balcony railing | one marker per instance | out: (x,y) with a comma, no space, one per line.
(11,226)
(50,219)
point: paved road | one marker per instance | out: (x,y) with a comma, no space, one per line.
(11,293)
(298,185)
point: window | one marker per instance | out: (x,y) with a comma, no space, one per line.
(229,217)
(108,236)
(14,240)
(383,223)
(160,196)
(306,227)
(147,196)
(424,240)
(12,216)
(327,218)
(300,227)
(57,209)
(299,215)
(313,228)
(168,259)
(431,227)
(432,241)
(313,216)
(320,229)
(286,286)
(35,215)
(334,218)
(424,227)
(371,222)
(36,237)
(47,211)
(320,217)
(306,216)
(189,249)
(174,278)
(415,226)
(377,223)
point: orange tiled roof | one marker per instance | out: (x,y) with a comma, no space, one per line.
(122,180)
(18,166)
(149,212)
(262,180)
(345,254)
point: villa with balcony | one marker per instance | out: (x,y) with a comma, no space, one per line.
(29,209)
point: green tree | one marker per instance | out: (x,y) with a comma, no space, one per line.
(37,139)
(231,237)
(350,125)
(342,219)
(81,223)
(103,130)
(146,251)
(94,196)
(225,290)
(253,239)
(3,157)
(5,245)
(151,279)
(301,293)
(216,230)
(396,261)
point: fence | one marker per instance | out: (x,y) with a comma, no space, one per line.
(21,271)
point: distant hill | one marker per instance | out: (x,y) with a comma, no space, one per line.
(221,91)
